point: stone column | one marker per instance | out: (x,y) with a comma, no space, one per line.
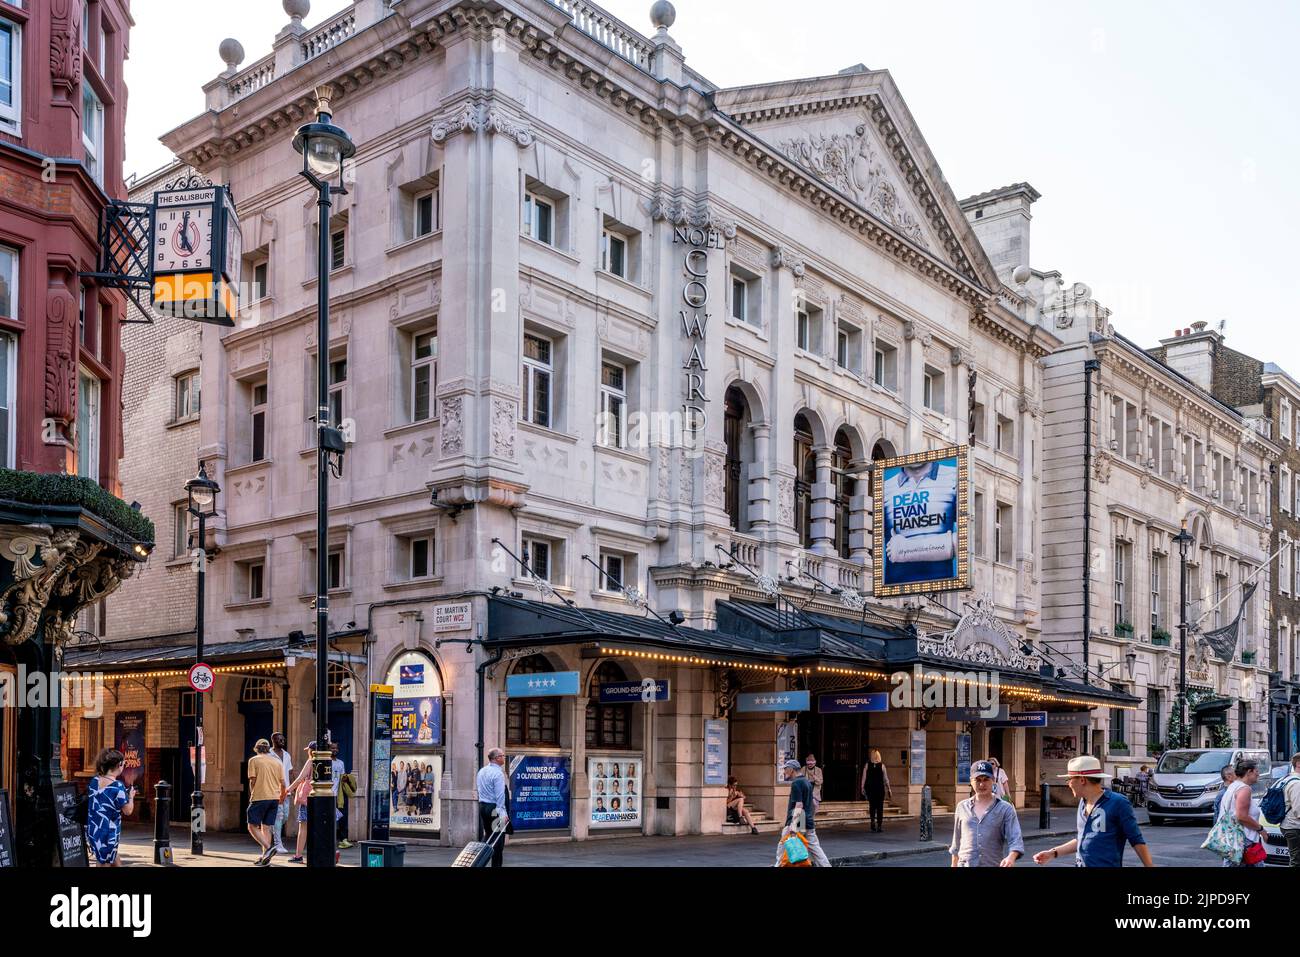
(757,484)
(860,518)
(823,505)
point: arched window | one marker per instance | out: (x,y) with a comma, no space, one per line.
(736,412)
(607,724)
(845,488)
(339,683)
(882,450)
(533,722)
(805,464)
(257,689)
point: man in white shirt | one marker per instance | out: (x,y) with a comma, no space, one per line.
(282,813)
(490,783)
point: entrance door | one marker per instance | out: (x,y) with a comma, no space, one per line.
(184,778)
(339,722)
(257,724)
(844,737)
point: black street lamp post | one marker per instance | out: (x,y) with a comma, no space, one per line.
(1184,540)
(324,148)
(202,494)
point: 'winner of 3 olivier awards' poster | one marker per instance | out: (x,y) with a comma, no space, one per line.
(921,543)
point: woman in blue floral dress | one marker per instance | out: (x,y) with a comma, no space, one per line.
(107,801)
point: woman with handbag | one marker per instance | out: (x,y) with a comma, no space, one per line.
(1236,835)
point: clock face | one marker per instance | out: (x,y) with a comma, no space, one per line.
(183,238)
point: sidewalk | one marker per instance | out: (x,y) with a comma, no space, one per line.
(847,847)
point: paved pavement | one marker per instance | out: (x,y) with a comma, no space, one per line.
(851,846)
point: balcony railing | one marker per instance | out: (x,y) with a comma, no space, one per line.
(608,31)
(329,35)
(252,79)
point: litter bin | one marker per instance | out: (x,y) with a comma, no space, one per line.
(383,854)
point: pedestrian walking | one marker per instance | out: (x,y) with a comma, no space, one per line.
(265,792)
(108,800)
(874,787)
(490,783)
(282,811)
(1236,807)
(1001,786)
(1291,823)
(1228,775)
(985,829)
(815,776)
(1105,821)
(801,799)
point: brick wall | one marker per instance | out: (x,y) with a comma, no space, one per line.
(1236,378)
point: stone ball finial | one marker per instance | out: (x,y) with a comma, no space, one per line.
(297,9)
(663,14)
(1022,274)
(232,52)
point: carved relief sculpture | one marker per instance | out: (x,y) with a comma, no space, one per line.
(65,47)
(60,371)
(504,414)
(453,426)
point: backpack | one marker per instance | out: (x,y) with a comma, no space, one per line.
(1273,805)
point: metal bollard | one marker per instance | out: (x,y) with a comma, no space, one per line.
(162,813)
(1045,808)
(927,815)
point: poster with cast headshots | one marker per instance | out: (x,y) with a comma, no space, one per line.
(921,545)
(415,779)
(615,788)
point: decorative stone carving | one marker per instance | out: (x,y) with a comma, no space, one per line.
(980,637)
(464,118)
(957,357)
(453,425)
(714,476)
(785,501)
(477,118)
(65,46)
(22,550)
(848,162)
(1101,466)
(785,257)
(701,217)
(60,370)
(503,428)
(909,330)
(498,122)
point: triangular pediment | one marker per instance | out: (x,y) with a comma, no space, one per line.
(855,134)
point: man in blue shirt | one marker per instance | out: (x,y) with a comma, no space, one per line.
(985,829)
(801,799)
(1106,821)
(490,783)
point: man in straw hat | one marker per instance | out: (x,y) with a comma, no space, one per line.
(1106,821)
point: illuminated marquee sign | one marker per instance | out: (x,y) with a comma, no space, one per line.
(197,251)
(921,531)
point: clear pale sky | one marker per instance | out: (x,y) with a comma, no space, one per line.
(1163,135)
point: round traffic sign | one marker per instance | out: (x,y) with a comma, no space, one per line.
(201,677)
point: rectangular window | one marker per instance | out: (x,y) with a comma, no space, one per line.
(88,320)
(8,398)
(424,373)
(187,395)
(11,75)
(977,525)
(537,373)
(9,282)
(932,392)
(257,415)
(338,248)
(977,423)
(180,530)
(334,568)
(1006,437)
(537,556)
(739,299)
(92,131)
(88,425)
(1157,581)
(803,329)
(1284,488)
(260,287)
(1284,570)
(1120,596)
(848,348)
(613,252)
(256,581)
(1285,421)
(1118,727)
(746,295)
(421,557)
(539,218)
(338,384)
(612,563)
(613,405)
(1154,727)
(426,212)
(1004,535)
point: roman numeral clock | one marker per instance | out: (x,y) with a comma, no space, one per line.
(196,254)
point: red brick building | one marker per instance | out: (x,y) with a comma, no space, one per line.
(62,117)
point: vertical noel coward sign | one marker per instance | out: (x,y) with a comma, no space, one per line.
(695,296)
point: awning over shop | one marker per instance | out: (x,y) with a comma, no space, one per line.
(765,636)
(173,654)
(1212,706)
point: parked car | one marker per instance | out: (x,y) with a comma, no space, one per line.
(1274,842)
(1186,782)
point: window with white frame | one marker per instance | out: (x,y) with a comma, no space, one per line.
(1295,568)
(338,383)
(885,366)
(11,74)
(543,557)
(423,373)
(426,212)
(932,390)
(1284,421)
(619,250)
(745,296)
(181,519)
(1006,434)
(335,568)
(261,288)
(1157,583)
(537,377)
(1004,534)
(417,556)
(1284,570)
(92,131)
(848,347)
(1122,576)
(8,398)
(612,430)
(257,421)
(250,580)
(977,525)
(619,570)
(808,327)
(539,218)
(88,425)
(187,394)
(1284,488)
(9,259)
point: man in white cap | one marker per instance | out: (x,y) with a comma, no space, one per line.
(985,829)
(1106,821)
(801,799)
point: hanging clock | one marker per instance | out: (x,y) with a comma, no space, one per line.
(196,255)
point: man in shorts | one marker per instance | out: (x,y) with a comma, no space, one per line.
(265,792)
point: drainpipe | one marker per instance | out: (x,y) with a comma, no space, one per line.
(485,664)
(1090,366)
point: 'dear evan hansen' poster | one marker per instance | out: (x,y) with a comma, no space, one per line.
(921,506)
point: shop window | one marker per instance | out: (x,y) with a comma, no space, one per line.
(533,722)
(607,724)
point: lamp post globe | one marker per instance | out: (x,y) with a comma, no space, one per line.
(202,493)
(324,147)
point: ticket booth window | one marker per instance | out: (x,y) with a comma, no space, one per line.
(533,722)
(607,724)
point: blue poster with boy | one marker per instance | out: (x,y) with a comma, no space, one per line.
(920,522)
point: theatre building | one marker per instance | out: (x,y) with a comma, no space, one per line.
(617,349)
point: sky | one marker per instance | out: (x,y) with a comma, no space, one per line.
(1163,135)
